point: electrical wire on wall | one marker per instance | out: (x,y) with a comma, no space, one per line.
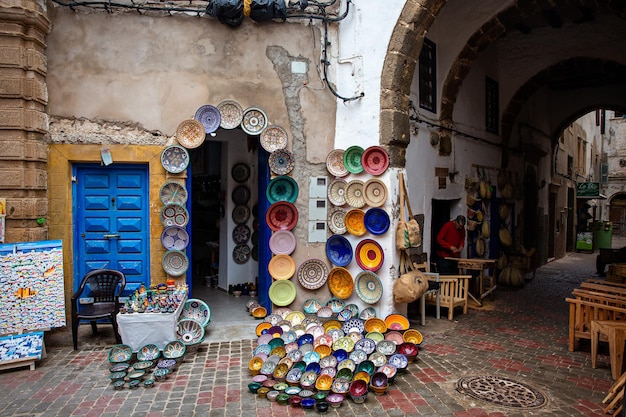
(283,10)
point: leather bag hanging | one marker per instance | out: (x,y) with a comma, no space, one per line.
(408,233)
(411,284)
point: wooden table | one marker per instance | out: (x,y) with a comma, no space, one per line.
(480,265)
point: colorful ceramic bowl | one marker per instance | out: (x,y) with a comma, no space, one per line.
(120,353)
(281,267)
(189,331)
(352,159)
(375,324)
(413,336)
(375,160)
(198,310)
(282,188)
(397,322)
(355,196)
(368,287)
(376,221)
(354,222)
(282,292)
(369,255)
(339,250)
(174,350)
(341,284)
(282,242)
(281,215)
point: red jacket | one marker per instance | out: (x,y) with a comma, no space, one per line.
(450,236)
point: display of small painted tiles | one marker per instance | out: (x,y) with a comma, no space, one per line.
(21,346)
(357,198)
(31,286)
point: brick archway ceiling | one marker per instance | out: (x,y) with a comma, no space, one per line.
(524,16)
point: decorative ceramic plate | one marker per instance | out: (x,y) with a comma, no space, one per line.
(352,159)
(345,343)
(281,267)
(338,250)
(196,309)
(241,214)
(295,317)
(254,121)
(331,325)
(374,192)
(120,353)
(282,292)
(240,172)
(281,162)
(375,160)
(174,350)
(149,352)
(175,263)
(324,312)
(353,325)
(368,287)
(395,337)
(189,331)
(282,242)
(397,322)
(376,221)
(283,188)
(209,116)
(334,163)
(354,194)
(231,114)
(386,347)
(190,133)
(335,304)
(241,194)
(358,355)
(241,234)
(175,159)
(413,336)
(173,192)
(375,324)
(281,215)
(354,221)
(312,274)
(366,345)
(274,138)
(354,310)
(336,221)
(398,360)
(311,306)
(241,253)
(174,238)
(369,255)
(337,192)
(375,336)
(340,283)
(174,214)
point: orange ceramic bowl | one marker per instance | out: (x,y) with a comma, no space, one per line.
(340,282)
(413,336)
(355,222)
(323,350)
(374,324)
(324,382)
(255,364)
(397,322)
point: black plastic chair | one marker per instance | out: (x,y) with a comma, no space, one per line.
(105,286)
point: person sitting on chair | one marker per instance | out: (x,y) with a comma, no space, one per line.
(450,243)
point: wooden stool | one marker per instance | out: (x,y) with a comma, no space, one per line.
(615,332)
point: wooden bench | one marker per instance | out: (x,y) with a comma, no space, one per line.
(453,292)
(583,311)
(614,332)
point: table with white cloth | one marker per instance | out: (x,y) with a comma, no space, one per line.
(140,329)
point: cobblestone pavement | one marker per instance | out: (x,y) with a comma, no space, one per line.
(520,334)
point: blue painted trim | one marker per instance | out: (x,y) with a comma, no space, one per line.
(188,250)
(265,255)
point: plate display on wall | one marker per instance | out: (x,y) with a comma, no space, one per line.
(281,162)
(241,253)
(274,138)
(175,159)
(375,192)
(241,214)
(312,274)
(354,194)
(340,282)
(352,159)
(376,221)
(209,116)
(337,192)
(190,133)
(368,287)
(282,188)
(339,250)
(334,163)
(173,192)
(282,292)
(336,221)
(241,234)
(241,194)
(240,172)
(254,121)
(281,267)
(282,242)
(231,114)
(375,160)
(174,214)
(355,222)
(175,263)
(281,215)
(174,238)
(369,255)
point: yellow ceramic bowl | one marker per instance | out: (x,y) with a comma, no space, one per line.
(255,364)
(374,324)
(354,222)
(323,350)
(363,376)
(324,382)
(340,282)
(413,336)
(397,322)
(331,324)
(259,312)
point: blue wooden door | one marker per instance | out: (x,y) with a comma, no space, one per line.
(111,221)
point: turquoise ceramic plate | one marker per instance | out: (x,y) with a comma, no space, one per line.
(282,188)
(352,158)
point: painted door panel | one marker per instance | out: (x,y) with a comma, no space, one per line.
(111,221)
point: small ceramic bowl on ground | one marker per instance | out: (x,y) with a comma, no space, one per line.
(174,350)
(119,367)
(322,406)
(160,374)
(168,364)
(118,385)
(148,383)
(117,376)
(307,403)
(335,400)
(120,353)
(136,375)
(148,352)
(282,399)
(295,401)
(254,387)
(133,384)
(273,395)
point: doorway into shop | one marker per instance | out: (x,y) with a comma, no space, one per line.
(440,215)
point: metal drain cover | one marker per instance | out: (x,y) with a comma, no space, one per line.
(502,391)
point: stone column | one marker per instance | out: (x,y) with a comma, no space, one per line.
(23,119)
